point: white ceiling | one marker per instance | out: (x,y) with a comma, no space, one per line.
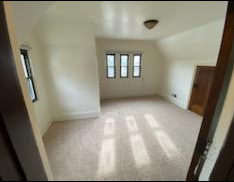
(124,19)
(26,15)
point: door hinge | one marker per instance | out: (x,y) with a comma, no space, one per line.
(202,160)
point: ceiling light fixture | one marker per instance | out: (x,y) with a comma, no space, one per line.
(150,24)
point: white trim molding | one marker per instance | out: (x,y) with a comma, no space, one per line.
(77,115)
(176,101)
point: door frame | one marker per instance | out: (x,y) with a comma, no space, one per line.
(222,76)
(225,162)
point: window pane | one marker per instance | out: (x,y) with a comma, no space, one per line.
(31,89)
(136,71)
(124,60)
(111,72)
(137,60)
(124,71)
(24,66)
(110,60)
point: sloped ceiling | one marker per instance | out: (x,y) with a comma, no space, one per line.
(26,15)
(200,45)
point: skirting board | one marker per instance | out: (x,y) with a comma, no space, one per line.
(77,116)
(176,102)
(128,95)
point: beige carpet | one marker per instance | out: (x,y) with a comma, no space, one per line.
(134,139)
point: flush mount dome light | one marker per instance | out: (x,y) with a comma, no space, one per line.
(150,24)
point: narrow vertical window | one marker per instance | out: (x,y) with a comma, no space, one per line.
(111,66)
(124,63)
(28,74)
(137,61)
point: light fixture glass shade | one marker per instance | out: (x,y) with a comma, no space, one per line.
(150,24)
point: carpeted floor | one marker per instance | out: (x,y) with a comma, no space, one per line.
(134,139)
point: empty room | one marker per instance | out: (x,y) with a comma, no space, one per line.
(122,90)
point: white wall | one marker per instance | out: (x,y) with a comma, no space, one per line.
(71,63)
(25,36)
(38,64)
(183,52)
(148,84)
(73,81)
(64,64)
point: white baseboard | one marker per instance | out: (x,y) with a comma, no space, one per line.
(127,95)
(77,115)
(175,101)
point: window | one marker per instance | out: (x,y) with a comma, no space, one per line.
(28,74)
(137,65)
(124,62)
(111,66)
